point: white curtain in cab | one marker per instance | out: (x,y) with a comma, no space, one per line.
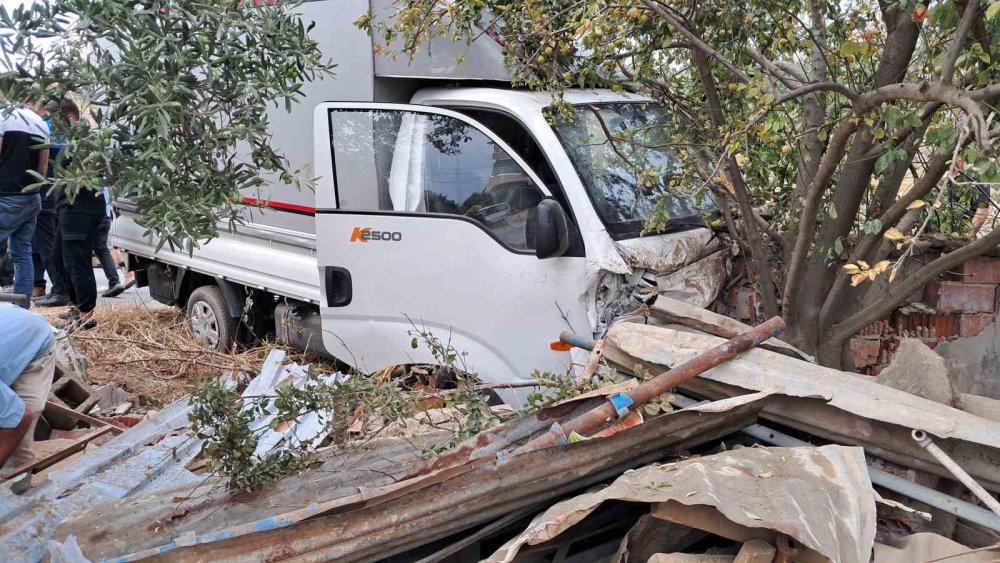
(406,178)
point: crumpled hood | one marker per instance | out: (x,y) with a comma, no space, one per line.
(665,254)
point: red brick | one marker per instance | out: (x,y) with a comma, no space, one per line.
(981,270)
(958,297)
(865,351)
(971,324)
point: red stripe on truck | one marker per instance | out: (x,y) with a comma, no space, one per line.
(280,205)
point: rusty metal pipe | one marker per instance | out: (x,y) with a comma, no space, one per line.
(618,405)
(944,459)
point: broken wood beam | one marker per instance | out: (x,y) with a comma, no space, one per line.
(54,458)
(81,417)
(619,405)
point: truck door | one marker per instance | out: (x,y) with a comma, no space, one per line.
(426,221)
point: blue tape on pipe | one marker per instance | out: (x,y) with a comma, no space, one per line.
(621,402)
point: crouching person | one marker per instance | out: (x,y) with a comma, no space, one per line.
(26,368)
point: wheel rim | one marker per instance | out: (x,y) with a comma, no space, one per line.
(204,324)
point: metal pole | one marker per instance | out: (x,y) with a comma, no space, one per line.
(982,494)
(619,404)
(577,340)
(964,510)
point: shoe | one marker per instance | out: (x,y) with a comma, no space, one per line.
(37,292)
(114,291)
(71,315)
(53,300)
(79,323)
(129,284)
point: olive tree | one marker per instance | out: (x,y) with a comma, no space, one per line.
(827,130)
(176,95)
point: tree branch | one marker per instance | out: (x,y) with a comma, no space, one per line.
(934,92)
(958,41)
(814,197)
(695,41)
(936,169)
(816,87)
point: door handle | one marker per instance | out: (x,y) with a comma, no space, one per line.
(339,289)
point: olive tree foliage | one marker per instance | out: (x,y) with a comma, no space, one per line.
(176,94)
(826,129)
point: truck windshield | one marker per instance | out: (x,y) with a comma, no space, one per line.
(629,175)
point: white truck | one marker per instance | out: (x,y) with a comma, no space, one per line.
(445,202)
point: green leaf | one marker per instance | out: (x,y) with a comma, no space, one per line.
(993,9)
(832,212)
(838,247)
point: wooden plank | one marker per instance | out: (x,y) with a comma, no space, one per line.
(55,457)
(756,551)
(81,417)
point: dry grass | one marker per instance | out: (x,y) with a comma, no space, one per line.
(150,352)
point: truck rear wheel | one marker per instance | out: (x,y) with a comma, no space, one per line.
(209,320)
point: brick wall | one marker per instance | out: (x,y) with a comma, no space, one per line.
(958,306)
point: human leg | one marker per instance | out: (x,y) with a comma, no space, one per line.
(41,250)
(32,387)
(104,253)
(79,231)
(18,215)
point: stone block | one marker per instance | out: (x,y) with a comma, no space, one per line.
(981,270)
(958,297)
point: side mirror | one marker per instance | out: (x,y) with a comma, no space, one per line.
(552,232)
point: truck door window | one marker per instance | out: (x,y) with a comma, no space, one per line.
(432,163)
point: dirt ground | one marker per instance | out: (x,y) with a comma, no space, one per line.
(150,352)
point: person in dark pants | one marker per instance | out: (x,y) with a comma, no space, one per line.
(41,248)
(79,223)
(45,227)
(103,253)
(6,269)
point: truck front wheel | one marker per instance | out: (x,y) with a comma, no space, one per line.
(209,320)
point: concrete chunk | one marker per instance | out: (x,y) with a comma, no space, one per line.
(917,370)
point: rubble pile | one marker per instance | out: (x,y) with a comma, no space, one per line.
(753,454)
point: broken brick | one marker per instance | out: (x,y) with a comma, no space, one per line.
(971,324)
(865,351)
(958,297)
(981,270)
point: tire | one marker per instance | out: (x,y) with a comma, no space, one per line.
(209,320)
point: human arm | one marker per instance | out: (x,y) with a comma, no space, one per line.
(43,161)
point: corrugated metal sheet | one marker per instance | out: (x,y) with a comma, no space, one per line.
(148,456)
(371,525)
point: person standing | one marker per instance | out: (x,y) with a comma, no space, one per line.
(45,227)
(27,365)
(23,134)
(79,221)
(103,251)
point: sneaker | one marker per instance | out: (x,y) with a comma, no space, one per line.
(71,315)
(53,300)
(114,291)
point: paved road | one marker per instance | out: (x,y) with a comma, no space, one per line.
(133,296)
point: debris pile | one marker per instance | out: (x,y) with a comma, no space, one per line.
(755,454)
